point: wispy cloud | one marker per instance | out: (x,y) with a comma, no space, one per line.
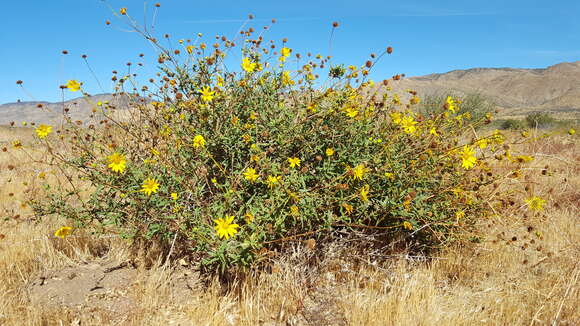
(444,14)
(556,53)
(410,9)
(237,21)
(214,21)
(409,13)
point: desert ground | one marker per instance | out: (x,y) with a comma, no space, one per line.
(525,271)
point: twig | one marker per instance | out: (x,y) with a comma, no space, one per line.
(171,249)
(540,261)
(554,156)
(535,315)
(292,237)
(114,268)
(573,281)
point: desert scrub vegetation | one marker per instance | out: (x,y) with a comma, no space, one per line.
(513,124)
(524,271)
(539,120)
(226,165)
(513,196)
(475,104)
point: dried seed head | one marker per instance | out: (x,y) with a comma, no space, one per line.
(335,24)
(390,50)
(64,52)
(250,16)
(158,5)
(368,64)
(19,82)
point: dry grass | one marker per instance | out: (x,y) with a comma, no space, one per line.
(524,272)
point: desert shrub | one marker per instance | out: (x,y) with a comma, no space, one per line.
(540,120)
(227,164)
(477,105)
(513,124)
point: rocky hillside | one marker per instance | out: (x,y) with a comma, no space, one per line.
(515,91)
(44,112)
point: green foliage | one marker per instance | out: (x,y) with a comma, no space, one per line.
(540,120)
(476,104)
(534,120)
(513,124)
(229,164)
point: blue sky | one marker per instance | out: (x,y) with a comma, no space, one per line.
(428,36)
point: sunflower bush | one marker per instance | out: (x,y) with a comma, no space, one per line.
(227,163)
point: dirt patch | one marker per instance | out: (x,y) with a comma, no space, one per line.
(111,290)
(91,285)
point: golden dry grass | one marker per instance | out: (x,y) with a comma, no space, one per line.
(524,272)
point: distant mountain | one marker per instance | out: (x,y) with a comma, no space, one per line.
(515,91)
(45,112)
